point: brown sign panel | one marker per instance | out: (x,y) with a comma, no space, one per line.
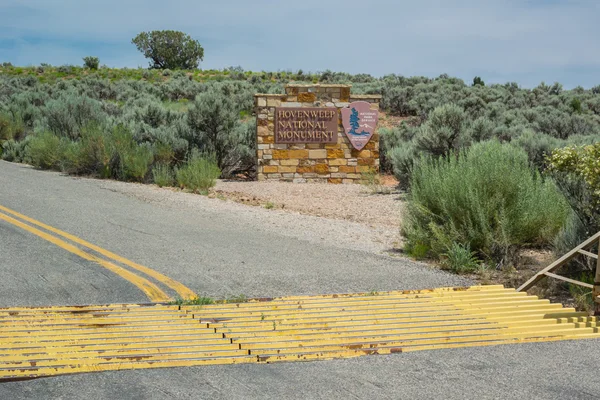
(306,125)
(359,123)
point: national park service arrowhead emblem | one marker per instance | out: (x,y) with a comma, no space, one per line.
(359,123)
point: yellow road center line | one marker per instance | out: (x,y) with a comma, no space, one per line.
(153,292)
(182,290)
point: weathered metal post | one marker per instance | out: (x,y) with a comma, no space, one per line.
(596,290)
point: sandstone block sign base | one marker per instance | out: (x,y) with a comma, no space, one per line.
(312,134)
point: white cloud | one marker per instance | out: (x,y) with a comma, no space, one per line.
(523,41)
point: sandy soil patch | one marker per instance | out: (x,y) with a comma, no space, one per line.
(381,205)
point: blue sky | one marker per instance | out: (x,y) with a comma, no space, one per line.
(526,41)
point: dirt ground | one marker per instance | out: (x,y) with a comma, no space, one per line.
(368,204)
(380,206)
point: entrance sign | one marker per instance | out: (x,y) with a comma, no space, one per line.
(306,125)
(359,123)
(300,136)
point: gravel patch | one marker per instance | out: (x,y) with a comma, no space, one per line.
(355,203)
(294,220)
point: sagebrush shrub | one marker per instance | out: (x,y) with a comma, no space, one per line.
(5,128)
(93,155)
(537,146)
(129,161)
(445,132)
(390,139)
(481,129)
(71,113)
(15,151)
(215,128)
(198,174)
(45,151)
(38,100)
(12,127)
(403,158)
(488,198)
(136,163)
(162,175)
(65,69)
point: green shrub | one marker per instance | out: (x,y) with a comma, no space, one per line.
(398,137)
(486,198)
(45,151)
(163,153)
(12,127)
(403,158)
(576,105)
(582,161)
(136,163)
(5,128)
(459,258)
(537,146)
(582,295)
(91,62)
(198,174)
(575,169)
(478,81)
(195,301)
(93,154)
(128,160)
(443,132)
(215,128)
(71,113)
(15,151)
(481,129)
(417,249)
(162,175)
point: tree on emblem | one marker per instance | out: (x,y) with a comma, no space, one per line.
(354,122)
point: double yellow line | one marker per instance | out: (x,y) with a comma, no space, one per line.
(151,290)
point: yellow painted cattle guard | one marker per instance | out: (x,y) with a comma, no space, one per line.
(36,342)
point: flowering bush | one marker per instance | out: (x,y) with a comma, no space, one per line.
(581,161)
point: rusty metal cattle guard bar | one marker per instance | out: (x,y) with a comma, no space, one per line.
(582,249)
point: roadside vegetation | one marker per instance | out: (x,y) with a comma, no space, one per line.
(485,201)
(489,170)
(203,301)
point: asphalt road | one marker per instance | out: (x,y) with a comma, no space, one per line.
(215,249)
(561,371)
(221,250)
